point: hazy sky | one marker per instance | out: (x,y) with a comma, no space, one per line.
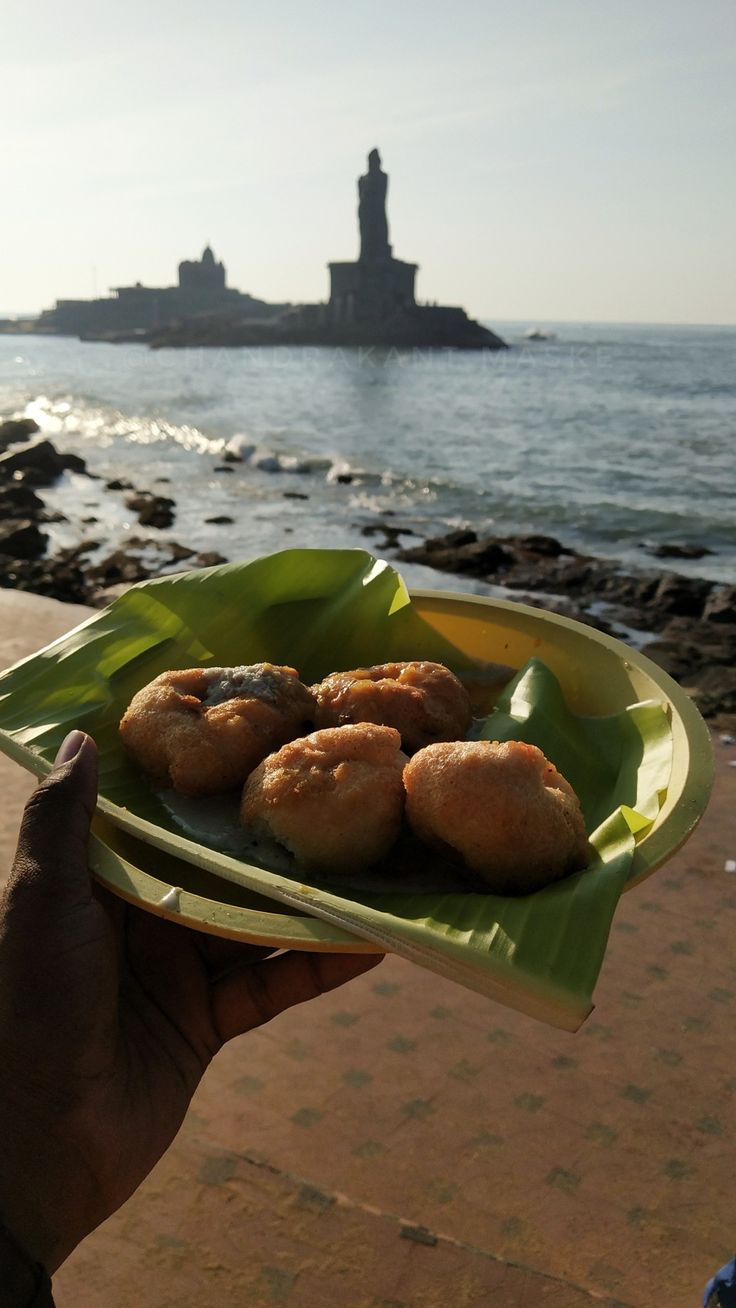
(547,158)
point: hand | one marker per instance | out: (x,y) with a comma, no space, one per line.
(108,1018)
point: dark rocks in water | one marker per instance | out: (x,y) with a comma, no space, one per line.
(19,501)
(232,456)
(674,550)
(22,540)
(17,429)
(153,510)
(119,484)
(344,478)
(390,533)
(40,464)
(294,495)
(223,467)
(221,520)
(474,558)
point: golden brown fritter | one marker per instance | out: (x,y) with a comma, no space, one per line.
(503,806)
(424,701)
(202,730)
(334,798)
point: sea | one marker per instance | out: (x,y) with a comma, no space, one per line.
(614,439)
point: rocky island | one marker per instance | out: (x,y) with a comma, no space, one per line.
(372,303)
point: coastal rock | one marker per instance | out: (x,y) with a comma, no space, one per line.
(721,605)
(681,595)
(674,550)
(40,464)
(22,540)
(153,510)
(19,501)
(475,558)
(17,429)
(221,520)
(119,484)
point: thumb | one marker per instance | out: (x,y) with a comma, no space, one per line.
(50,868)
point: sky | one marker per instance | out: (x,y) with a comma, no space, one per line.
(547,160)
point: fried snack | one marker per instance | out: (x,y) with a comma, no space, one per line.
(202,730)
(503,806)
(334,798)
(424,701)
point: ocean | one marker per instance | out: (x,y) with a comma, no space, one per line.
(611,438)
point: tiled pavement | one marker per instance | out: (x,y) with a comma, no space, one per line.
(404,1143)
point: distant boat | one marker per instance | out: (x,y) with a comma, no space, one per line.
(539,334)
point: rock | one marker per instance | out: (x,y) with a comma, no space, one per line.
(17,500)
(153,510)
(714,690)
(477,558)
(680,595)
(232,456)
(210,559)
(451,540)
(37,465)
(344,478)
(223,467)
(221,520)
(116,567)
(118,484)
(17,429)
(74,463)
(390,533)
(673,550)
(542,546)
(22,540)
(721,605)
(294,495)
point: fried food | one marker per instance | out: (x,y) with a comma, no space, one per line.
(424,701)
(334,798)
(202,730)
(514,819)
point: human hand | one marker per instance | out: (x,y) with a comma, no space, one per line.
(108,1018)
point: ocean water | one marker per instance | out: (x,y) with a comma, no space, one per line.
(612,438)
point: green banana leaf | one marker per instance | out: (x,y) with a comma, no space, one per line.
(322,610)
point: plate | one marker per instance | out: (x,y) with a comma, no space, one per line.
(294,606)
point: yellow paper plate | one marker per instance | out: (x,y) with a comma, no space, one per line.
(598,674)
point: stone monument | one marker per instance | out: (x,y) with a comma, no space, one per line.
(376,287)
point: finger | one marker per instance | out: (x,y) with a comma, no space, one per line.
(251,995)
(50,868)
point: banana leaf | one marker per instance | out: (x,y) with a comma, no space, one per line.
(322,610)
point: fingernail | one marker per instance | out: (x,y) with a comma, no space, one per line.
(69,748)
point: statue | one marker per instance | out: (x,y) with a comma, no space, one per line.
(372,211)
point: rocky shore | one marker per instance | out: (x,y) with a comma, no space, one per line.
(685,624)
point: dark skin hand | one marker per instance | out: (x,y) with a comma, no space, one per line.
(108,1019)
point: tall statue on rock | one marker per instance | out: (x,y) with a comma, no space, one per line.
(372,187)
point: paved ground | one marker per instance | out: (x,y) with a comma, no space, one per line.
(406,1144)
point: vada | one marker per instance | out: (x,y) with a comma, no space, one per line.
(334,798)
(503,807)
(202,730)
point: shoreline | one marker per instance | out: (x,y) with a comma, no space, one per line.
(686,624)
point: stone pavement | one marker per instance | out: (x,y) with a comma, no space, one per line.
(403,1143)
